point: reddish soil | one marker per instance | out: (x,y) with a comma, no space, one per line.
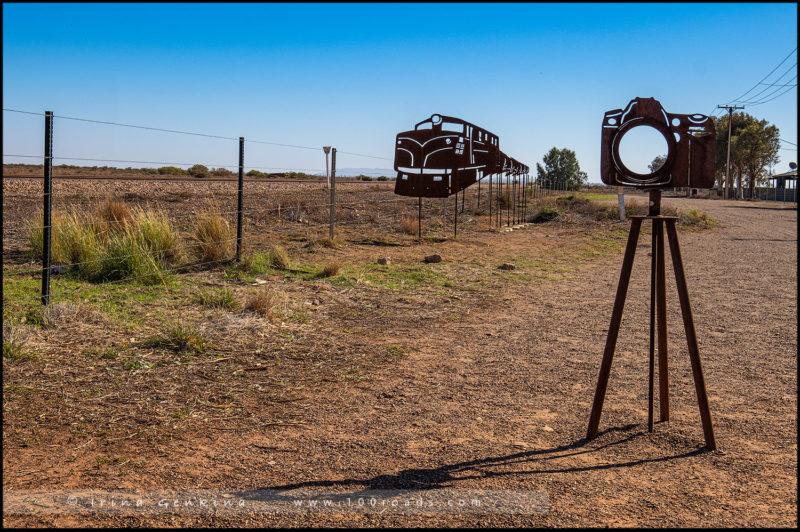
(481,385)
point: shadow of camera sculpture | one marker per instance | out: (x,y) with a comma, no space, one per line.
(443,155)
(690,140)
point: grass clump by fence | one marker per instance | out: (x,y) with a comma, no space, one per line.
(110,242)
(279,258)
(212,237)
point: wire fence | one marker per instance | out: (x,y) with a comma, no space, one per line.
(259,208)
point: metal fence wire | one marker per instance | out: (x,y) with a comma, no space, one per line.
(503,197)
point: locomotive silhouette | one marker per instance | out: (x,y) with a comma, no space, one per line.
(443,155)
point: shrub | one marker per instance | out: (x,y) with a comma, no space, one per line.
(212,237)
(221,172)
(383,178)
(198,170)
(255,173)
(503,200)
(171,170)
(546,213)
(696,218)
(363,177)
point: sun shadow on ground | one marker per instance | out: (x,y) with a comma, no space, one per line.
(445,476)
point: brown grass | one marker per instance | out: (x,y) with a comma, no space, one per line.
(110,215)
(331,268)
(212,237)
(409,224)
(263,303)
(279,258)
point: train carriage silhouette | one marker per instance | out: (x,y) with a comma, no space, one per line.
(443,155)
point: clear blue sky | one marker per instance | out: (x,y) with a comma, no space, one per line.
(354,75)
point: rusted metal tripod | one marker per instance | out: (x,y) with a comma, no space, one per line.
(658,319)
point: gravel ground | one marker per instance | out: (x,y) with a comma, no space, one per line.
(494,393)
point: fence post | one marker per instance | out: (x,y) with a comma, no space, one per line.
(419,219)
(333,190)
(241,200)
(621,200)
(48,204)
(490,201)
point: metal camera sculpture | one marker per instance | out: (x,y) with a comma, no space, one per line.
(444,155)
(689,163)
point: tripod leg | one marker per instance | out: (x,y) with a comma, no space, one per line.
(650,376)
(613,330)
(661,324)
(691,338)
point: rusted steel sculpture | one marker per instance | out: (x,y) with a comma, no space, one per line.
(690,139)
(690,162)
(443,155)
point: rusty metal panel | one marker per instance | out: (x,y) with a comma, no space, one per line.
(443,155)
(690,140)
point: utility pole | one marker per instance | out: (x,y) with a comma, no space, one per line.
(730,109)
(327,172)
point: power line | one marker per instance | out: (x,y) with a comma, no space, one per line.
(765,77)
(757,98)
(769,86)
(787,142)
(775,97)
(716,112)
(297,146)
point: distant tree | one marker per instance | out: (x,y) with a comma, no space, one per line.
(363,177)
(198,170)
(383,178)
(754,147)
(657,163)
(561,170)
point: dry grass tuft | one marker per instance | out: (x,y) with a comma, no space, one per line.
(279,258)
(331,268)
(63,314)
(409,224)
(111,215)
(221,298)
(263,303)
(212,237)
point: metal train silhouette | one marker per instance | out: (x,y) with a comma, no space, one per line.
(443,155)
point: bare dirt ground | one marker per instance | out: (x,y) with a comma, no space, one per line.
(463,376)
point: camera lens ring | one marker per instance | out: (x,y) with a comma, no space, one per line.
(629,175)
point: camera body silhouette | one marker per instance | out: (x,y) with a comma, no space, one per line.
(691,142)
